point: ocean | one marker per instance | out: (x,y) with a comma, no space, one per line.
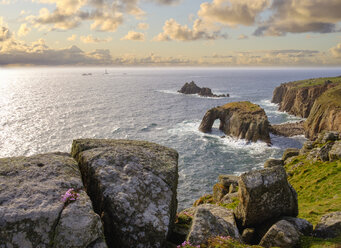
(44,109)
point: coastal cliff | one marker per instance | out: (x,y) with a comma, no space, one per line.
(318,100)
(243,120)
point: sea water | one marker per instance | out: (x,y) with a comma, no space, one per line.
(44,109)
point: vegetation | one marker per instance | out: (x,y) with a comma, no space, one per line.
(245,106)
(331,96)
(318,187)
(231,205)
(316,81)
(204,199)
(312,242)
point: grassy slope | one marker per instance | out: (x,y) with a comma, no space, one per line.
(315,81)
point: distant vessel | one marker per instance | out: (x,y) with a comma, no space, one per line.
(106,72)
(86,74)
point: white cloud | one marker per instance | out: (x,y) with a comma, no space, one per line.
(23,30)
(336,51)
(132,35)
(200,31)
(72,37)
(91,39)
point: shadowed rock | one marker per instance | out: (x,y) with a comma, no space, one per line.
(243,120)
(133,187)
(288,129)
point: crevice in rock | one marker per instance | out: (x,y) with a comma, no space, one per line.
(54,226)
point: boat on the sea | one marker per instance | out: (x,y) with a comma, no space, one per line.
(86,74)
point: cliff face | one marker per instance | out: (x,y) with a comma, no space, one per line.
(325,114)
(318,100)
(298,100)
(243,120)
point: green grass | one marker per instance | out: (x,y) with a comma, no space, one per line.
(231,205)
(244,106)
(312,242)
(318,185)
(315,81)
(331,97)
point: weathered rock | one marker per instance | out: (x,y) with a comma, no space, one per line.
(192,88)
(324,151)
(228,198)
(219,191)
(227,180)
(265,194)
(211,220)
(290,152)
(248,235)
(273,162)
(282,234)
(243,120)
(329,226)
(233,189)
(307,146)
(133,186)
(302,225)
(31,211)
(335,151)
(288,129)
(327,136)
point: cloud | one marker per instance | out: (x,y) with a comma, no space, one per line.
(72,37)
(132,35)
(143,26)
(91,39)
(23,30)
(200,31)
(336,51)
(300,16)
(232,12)
(243,37)
(5,34)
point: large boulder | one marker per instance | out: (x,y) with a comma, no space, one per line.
(302,225)
(282,234)
(265,194)
(273,162)
(290,152)
(243,120)
(211,220)
(133,186)
(329,226)
(32,213)
(335,151)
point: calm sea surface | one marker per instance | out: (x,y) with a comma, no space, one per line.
(43,110)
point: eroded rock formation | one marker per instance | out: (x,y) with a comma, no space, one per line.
(288,129)
(192,88)
(243,120)
(133,187)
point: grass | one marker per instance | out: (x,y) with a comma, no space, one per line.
(315,81)
(331,97)
(231,205)
(318,186)
(245,106)
(312,242)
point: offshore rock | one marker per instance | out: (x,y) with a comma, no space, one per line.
(243,120)
(282,234)
(329,226)
(133,186)
(211,220)
(192,88)
(288,129)
(265,194)
(31,211)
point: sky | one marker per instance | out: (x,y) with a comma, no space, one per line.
(222,33)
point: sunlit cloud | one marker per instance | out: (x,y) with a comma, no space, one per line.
(200,31)
(23,30)
(336,51)
(72,37)
(243,37)
(132,35)
(90,39)
(143,26)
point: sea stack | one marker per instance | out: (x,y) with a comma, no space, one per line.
(243,120)
(191,88)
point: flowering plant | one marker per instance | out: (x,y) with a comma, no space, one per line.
(187,244)
(69,196)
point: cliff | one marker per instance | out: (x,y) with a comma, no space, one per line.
(318,100)
(243,120)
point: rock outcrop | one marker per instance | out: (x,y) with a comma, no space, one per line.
(263,195)
(209,221)
(243,120)
(318,100)
(32,213)
(133,187)
(288,129)
(329,226)
(192,88)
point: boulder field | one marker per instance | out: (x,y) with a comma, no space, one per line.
(243,120)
